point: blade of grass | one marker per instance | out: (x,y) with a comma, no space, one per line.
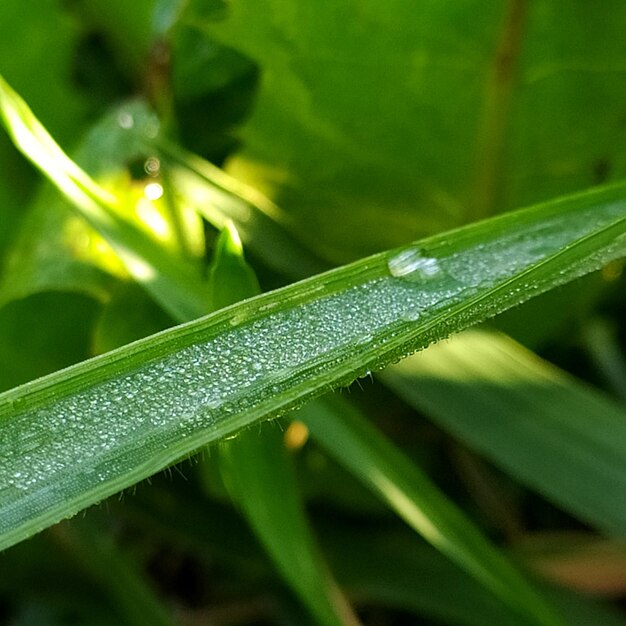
(353,442)
(79,435)
(175,283)
(562,439)
(260,473)
(232,280)
(219,198)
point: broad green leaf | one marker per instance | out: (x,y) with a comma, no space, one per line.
(435,111)
(79,435)
(261,475)
(358,101)
(530,418)
(173,280)
(347,436)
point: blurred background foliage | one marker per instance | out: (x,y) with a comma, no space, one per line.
(367,125)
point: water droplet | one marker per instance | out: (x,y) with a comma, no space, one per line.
(125,120)
(152,166)
(413,264)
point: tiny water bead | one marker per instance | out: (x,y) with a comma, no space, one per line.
(413,264)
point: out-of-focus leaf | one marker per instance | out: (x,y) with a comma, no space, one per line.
(390,569)
(348,437)
(128,315)
(261,474)
(381,567)
(37,339)
(173,279)
(601,340)
(581,561)
(96,554)
(56,249)
(220,198)
(561,438)
(50,35)
(437,112)
(127,27)
(357,104)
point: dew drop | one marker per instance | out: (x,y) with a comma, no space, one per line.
(125,120)
(413,264)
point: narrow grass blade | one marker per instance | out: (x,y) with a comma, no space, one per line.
(261,476)
(219,198)
(354,443)
(170,279)
(563,440)
(79,435)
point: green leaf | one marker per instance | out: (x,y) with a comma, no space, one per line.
(438,111)
(220,198)
(30,348)
(79,435)
(173,281)
(96,554)
(261,475)
(548,430)
(348,437)
(389,568)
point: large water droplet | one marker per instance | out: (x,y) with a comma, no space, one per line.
(413,264)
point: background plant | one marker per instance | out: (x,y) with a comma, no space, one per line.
(343,130)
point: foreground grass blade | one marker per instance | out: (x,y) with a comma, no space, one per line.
(79,435)
(538,424)
(220,198)
(175,283)
(354,443)
(261,476)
